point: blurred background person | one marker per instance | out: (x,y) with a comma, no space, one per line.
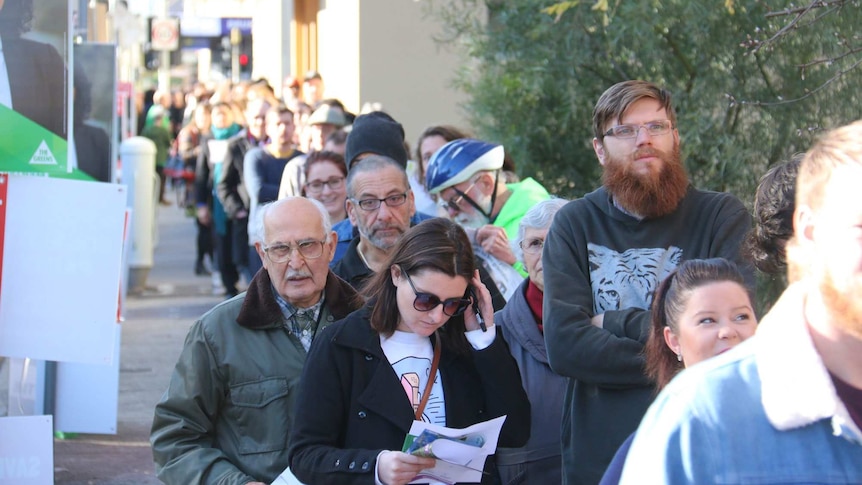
(312,89)
(263,168)
(324,121)
(325,175)
(774,203)
(231,188)
(520,321)
(160,135)
(336,142)
(210,211)
(189,148)
(290,88)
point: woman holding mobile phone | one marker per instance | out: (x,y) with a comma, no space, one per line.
(367,377)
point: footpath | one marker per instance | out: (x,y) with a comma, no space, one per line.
(155,326)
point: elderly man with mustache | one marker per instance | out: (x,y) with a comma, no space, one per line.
(227,412)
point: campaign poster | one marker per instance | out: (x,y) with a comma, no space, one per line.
(34,86)
(94,108)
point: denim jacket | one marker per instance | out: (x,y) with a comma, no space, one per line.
(765,413)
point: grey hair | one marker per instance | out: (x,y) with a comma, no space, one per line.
(539,216)
(259,229)
(373,163)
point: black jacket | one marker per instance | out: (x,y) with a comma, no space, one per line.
(231,189)
(351,405)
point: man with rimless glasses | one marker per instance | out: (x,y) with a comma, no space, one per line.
(227,412)
(603,258)
(465,173)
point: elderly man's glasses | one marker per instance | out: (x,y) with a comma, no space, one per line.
(425,302)
(453,203)
(279,253)
(653,128)
(532,246)
(334,183)
(374,204)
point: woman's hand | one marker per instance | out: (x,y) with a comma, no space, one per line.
(486,307)
(398,468)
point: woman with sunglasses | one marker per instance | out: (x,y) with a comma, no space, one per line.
(367,377)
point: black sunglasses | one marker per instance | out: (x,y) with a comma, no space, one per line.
(425,302)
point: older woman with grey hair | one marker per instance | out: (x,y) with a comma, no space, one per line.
(521,323)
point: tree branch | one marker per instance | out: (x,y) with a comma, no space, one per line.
(810,93)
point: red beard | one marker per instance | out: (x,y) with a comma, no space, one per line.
(651,195)
(843,306)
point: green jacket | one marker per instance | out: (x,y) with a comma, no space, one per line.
(525,194)
(228,410)
(162,138)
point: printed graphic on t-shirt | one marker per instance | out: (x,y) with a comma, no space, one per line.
(413,374)
(628,279)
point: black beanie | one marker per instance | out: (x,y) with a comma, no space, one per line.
(376,133)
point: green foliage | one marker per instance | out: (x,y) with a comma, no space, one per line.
(752,83)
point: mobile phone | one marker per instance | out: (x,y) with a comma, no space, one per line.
(476,309)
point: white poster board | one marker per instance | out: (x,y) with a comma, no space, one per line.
(87,396)
(59,286)
(26,450)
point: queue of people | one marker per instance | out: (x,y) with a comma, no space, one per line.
(617,333)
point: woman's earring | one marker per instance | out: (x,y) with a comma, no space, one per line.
(679,357)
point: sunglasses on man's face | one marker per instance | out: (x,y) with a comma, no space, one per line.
(425,302)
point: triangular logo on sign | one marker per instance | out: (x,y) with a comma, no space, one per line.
(43,156)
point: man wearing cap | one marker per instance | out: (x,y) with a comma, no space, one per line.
(466,175)
(375,133)
(323,121)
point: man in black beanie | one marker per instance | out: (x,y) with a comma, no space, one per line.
(374,133)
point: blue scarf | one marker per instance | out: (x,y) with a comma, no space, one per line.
(225,133)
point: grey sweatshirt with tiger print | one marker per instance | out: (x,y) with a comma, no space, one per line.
(600,260)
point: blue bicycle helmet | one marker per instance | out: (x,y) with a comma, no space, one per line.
(458,160)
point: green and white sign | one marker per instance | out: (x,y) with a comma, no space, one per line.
(27,147)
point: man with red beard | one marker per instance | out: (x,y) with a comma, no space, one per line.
(785,406)
(604,256)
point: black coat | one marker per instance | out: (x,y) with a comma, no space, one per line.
(351,405)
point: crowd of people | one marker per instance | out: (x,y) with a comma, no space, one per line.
(617,333)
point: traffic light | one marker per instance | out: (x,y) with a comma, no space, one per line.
(151,59)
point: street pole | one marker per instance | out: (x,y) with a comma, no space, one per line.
(235,41)
(165,59)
